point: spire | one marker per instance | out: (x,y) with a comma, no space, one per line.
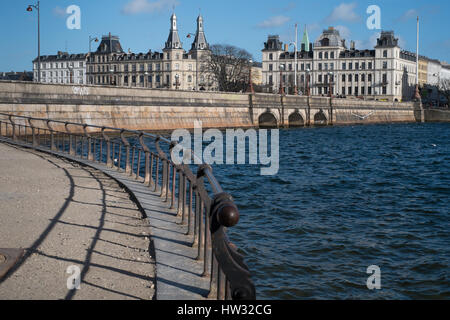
(173,42)
(305,42)
(200,42)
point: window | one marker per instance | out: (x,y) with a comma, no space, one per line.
(142,67)
(141,79)
(369,77)
(356,65)
(384,64)
(150,79)
(271,56)
(356,91)
(363,91)
(343,77)
(332,66)
(363,66)
(190,67)
(350,78)
(356,77)
(158,78)
(384,90)
(332,55)
(320,66)
(167,66)
(350,66)
(303,67)
(363,77)
(320,78)
(370,65)
(133,68)
(270,67)
(326,55)
(384,78)
(320,55)
(343,90)
(270,80)
(189,78)
(158,67)
(369,90)
(326,66)
(126,68)
(133,79)
(344,66)
(178,56)
(385,54)
(125,79)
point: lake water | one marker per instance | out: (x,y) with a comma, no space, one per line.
(346,198)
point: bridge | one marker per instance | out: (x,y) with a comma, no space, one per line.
(194,258)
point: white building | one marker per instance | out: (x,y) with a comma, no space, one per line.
(62,68)
(385,73)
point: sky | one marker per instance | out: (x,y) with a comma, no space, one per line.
(143,25)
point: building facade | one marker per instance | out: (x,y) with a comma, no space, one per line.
(62,68)
(385,73)
(173,68)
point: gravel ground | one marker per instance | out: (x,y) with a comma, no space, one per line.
(66,215)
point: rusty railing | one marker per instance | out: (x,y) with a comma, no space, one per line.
(210,213)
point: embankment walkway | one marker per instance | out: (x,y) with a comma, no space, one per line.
(63,215)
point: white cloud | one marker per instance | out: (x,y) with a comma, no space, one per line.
(344,31)
(59,12)
(409,14)
(272,22)
(344,12)
(368,43)
(146,6)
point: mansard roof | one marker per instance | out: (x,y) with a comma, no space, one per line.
(273,43)
(62,56)
(387,40)
(330,38)
(300,55)
(109,44)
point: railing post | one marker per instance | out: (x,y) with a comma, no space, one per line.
(109,162)
(127,151)
(33,133)
(71,149)
(147,178)
(14,136)
(90,156)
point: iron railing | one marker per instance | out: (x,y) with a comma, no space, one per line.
(210,213)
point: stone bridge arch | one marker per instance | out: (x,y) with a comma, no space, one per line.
(267,120)
(320,119)
(296,120)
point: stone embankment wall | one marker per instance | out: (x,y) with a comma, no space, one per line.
(143,109)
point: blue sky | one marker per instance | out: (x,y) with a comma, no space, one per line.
(144,24)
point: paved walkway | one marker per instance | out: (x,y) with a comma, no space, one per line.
(63,215)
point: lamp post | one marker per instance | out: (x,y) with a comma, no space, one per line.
(281,80)
(438,75)
(330,78)
(416,91)
(250,81)
(295,44)
(146,79)
(90,41)
(177,77)
(308,91)
(30,9)
(111,71)
(196,63)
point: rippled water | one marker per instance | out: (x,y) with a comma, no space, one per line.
(346,198)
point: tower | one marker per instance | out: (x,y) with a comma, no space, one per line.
(200,42)
(173,57)
(305,42)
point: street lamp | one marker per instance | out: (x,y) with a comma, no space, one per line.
(146,79)
(308,91)
(30,9)
(177,77)
(281,79)
(90,41)
(111,71)
(330,78)
(250,81)
(438,75)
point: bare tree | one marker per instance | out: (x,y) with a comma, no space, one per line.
(228,66)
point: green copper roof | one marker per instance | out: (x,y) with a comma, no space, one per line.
(305,40)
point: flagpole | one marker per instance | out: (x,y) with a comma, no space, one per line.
(295,60)
(417,93)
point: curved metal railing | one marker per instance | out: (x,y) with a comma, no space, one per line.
(187,193)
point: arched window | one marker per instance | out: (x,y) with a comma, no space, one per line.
(325,42)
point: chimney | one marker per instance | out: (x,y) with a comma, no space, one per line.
(352,45)
(286,47)
(310,47)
